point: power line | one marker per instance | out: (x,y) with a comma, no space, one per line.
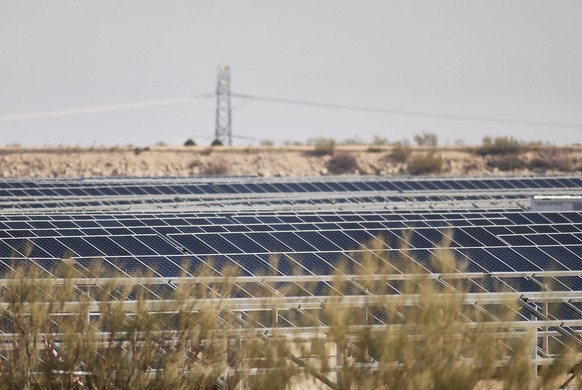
(405,112)
(88,110)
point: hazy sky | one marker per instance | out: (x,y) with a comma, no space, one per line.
(460,69)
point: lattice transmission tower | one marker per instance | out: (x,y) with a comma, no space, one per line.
(223,129)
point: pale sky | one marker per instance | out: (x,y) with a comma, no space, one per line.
(460,69)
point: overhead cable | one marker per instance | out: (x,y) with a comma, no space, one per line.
(407,112)
(88,110)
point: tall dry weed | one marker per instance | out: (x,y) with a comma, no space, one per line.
(385,320)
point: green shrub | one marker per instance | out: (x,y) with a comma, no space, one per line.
(342,163)
(217,142)
(189,142)
(425,164)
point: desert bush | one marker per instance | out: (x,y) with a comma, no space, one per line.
(207,151)
(289,142)
(111,345)
(500,145)
(380,141)
(401,151)
(215,168)
(510,162)
(189,142)
(322,146)
(425,164)
(355,140)
(137,150)
(217,142)
(266,142)
(194,164)
(426,139)
(551,159)
(342,163)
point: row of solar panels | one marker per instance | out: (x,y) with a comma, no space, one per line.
(33,225)
(174,236)
(92,188)
(348,198)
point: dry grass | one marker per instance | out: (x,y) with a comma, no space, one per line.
(131,334)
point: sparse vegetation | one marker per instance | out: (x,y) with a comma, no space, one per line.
(215,168)
(322,146)
(355,140)
(207,151)
(108,161)
(508,162)
(380,141)
(500,146)
(137,150)
(289,142)
(551,159)
(342,163)
(426,139)
(266,142)
(425,164)
(401,151)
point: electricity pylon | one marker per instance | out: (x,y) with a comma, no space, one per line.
(223,129)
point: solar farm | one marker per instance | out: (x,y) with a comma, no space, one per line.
(282,261)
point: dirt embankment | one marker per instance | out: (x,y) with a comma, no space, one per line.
(271,161)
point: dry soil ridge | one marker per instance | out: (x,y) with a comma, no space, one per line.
(261,161)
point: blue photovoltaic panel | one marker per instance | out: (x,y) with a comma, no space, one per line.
(139,227)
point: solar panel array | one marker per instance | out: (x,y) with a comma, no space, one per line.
(254,192)
(279,234)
